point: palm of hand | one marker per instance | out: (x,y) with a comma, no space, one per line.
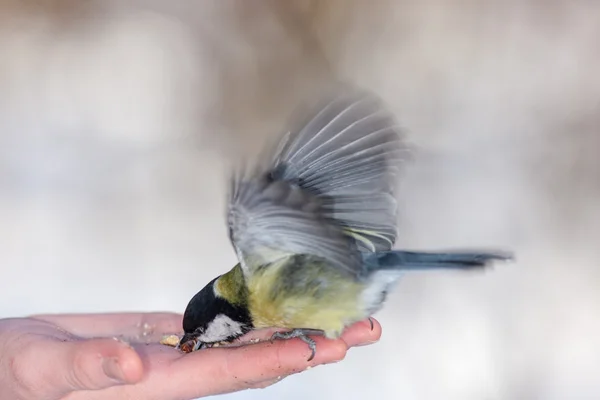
(119,356)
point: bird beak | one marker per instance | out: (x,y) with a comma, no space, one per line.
(188,343)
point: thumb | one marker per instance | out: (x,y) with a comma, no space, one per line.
(101,363)
(89,364)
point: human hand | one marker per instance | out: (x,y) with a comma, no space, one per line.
(75,357)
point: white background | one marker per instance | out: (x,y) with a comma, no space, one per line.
(118,120)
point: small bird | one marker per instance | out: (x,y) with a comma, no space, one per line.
(313,225)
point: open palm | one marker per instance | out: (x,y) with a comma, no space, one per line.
(110,356)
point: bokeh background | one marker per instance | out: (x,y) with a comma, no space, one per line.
(120,118)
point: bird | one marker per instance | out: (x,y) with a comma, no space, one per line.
(314,224)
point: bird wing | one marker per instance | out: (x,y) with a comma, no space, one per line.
(350,155)
(327,191)
(270,220)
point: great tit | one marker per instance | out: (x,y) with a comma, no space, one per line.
(313,224)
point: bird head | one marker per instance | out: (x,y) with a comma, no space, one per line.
(217,313)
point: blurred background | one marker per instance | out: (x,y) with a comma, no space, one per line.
(120,118)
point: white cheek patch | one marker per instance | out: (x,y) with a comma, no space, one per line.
(220,329)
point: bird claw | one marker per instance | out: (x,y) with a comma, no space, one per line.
(301,334)
(371,323)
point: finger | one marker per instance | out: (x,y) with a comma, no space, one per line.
(361,334)
(230,369)
(358,334)
(62,367)
(133,326)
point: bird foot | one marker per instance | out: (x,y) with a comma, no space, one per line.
(301,334)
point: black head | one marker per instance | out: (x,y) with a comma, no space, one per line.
(210,318)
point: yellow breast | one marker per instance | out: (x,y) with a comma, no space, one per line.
(320,298)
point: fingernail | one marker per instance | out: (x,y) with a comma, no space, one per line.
(112,369)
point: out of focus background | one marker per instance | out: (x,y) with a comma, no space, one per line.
(120,118)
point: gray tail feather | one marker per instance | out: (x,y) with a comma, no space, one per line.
(408,260)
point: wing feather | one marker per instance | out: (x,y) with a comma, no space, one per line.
(270,220)
(326,190)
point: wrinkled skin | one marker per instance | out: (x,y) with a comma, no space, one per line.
(75,357)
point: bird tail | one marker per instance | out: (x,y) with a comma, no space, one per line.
(408,260)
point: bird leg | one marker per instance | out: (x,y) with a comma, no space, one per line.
(301,334)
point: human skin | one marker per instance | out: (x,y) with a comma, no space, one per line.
(118,356)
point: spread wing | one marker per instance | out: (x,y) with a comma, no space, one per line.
(327,191)
(271,219)
(350,154)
